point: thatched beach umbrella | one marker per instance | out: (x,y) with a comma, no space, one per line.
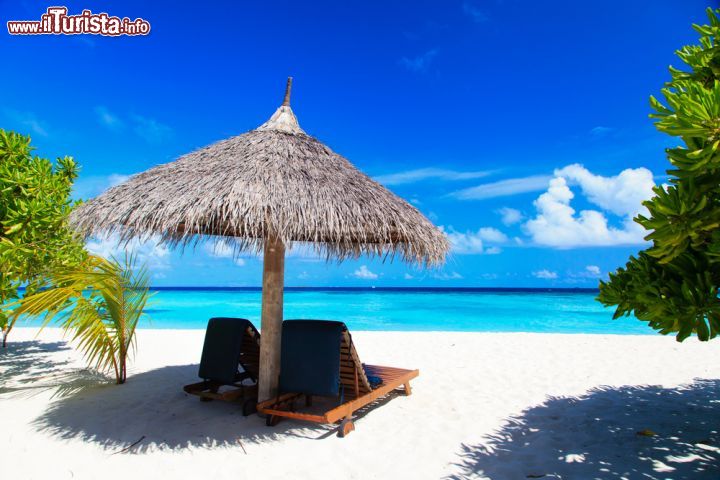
(266,190)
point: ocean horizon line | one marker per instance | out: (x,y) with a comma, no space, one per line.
(389,289)
(381,289)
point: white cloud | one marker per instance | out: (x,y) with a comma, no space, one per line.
(556,223)
(493,250)
(420,63)
(27,120)
(418,175)
(91,186)
(474,242)
(503,188)
(303,276)
(447,276)
(222,249)
(218,249)
(510,216)
(305,251)
(115,179)
(407,276)
(107,119)
(622,194)
(545,274)
(593,270)
(364,273)
(299,251)
(490,234)
(600,131)
(150,129)
(150,252)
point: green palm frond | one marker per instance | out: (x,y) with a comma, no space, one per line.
(101,303)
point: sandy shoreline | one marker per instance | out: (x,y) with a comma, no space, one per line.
(486,405)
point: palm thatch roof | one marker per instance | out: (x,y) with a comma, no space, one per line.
(274,181)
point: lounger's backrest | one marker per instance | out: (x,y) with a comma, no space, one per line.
(352,373)
(222,349)
(310,357)
(250,352)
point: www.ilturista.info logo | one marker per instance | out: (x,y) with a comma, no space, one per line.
(57,22)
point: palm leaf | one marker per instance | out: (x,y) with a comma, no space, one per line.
(101,303)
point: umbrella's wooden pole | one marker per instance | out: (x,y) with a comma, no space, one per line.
(272,317)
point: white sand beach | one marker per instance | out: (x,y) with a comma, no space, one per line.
(486,405)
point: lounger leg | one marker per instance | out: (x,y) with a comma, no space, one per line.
(346,426)
(213,389)
(272,420)
(249,407)
(408,390)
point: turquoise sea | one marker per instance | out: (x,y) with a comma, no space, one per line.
(476,310)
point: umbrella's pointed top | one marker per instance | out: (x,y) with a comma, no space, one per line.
(283,119)
(288,90)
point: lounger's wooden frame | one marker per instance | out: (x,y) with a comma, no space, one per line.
(356,387)
(249,361)
(209,390)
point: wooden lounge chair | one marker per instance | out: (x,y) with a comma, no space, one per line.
(319,359)
(230,356)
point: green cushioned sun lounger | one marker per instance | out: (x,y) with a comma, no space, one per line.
(229,363)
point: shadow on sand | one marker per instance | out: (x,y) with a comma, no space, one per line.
(30,367)
(20,359)
(151,407)
(631,432)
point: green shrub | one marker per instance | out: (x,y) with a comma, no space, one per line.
(673,285)
(34,206)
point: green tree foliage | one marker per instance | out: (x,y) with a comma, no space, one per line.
(100,304)
(673,285)
(34,207)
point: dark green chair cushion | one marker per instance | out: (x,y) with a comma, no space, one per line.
(310,357)
(222,348)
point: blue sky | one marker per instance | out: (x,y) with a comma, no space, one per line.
(519,127)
